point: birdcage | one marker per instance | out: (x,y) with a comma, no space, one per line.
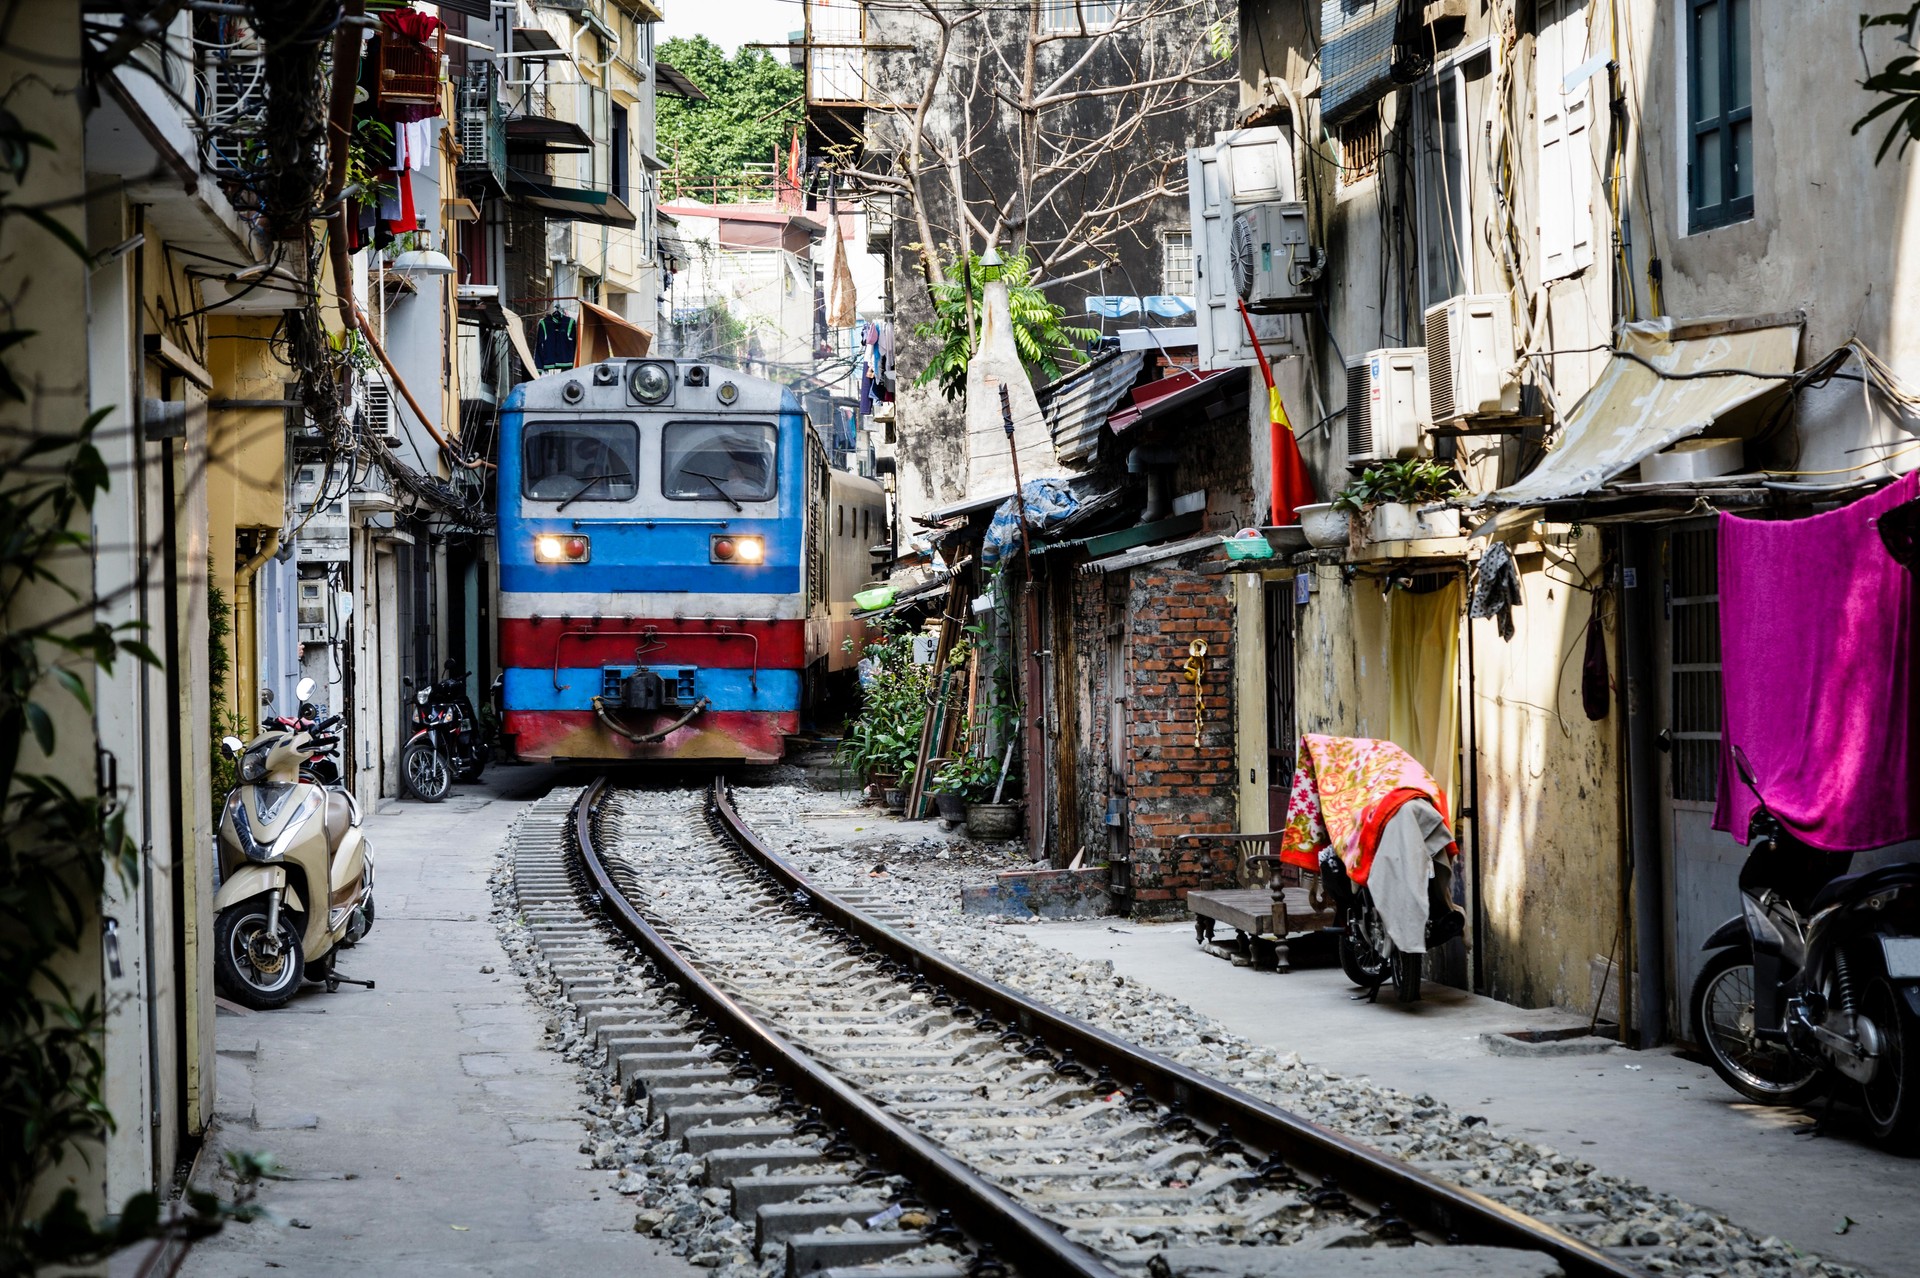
(407,69)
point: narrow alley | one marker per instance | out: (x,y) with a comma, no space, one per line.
(959,638)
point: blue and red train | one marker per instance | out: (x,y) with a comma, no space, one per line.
(677,563)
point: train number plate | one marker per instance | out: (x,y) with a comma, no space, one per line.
(1903,956)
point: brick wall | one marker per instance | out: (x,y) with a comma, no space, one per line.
(1175,787)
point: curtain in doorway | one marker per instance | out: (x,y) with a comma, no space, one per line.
(1423,636)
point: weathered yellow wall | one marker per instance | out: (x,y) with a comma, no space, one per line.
(1340,657)
(1549,778)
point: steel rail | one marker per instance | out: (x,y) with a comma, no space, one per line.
(1445,1211)
(1019,1236)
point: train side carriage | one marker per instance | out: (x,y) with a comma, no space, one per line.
(668,563)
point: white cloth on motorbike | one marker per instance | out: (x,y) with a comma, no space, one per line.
(1402,864)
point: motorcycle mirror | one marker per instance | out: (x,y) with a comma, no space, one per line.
(231,746)
(304,689)
(1745,769)
(266,696)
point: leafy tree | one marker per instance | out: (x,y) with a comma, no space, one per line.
(754,103)
(1897,84)
(1043,341)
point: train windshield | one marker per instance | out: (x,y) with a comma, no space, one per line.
(581,461)
(733,461)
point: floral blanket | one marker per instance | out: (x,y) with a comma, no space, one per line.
(1339,784)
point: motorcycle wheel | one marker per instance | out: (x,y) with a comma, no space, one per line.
(248,977)
(425,771)
(1406,975)
(1362,964)
(1722,1006)
(1892,1098)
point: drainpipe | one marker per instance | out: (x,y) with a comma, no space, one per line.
(1648,962)
(246,637)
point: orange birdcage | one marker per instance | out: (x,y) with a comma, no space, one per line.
(407,65)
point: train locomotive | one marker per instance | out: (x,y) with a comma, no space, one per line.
(677,564)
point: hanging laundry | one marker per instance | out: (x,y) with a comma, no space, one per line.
(1345,790)
(1496,588)
(1423,705)
(555,340)
(1816,652)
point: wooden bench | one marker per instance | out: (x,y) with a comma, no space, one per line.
(1288,905)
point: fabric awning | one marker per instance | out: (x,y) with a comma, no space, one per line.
(575,204)
(517,334)
(1634,410)
(606,335)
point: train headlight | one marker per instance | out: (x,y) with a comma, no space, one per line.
(556,548)
(650,383)
(738,550)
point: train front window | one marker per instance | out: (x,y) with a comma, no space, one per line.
(709,461)
(581,461)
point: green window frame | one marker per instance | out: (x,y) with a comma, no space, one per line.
(1720,134)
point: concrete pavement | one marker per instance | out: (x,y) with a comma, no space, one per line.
(422,1127)
(1654,1117)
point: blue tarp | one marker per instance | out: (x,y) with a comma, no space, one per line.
(1049,501)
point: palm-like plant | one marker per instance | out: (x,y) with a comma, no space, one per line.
(1044,342)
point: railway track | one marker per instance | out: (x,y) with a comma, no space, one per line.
(867,1102)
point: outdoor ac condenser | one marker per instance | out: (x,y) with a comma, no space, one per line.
(1386,405)
(1270,262)
(1470,358)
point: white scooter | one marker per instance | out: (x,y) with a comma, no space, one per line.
(296,874)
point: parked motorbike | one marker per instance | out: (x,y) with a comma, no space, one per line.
(446,745)
(1367,953)
(1817,982)
(320,767)
(296,874)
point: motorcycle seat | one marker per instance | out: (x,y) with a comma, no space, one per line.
(1837,889)
(1833,890)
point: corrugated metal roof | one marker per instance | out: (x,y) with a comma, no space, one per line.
(1652,395)
(1356,55)
(1076,406)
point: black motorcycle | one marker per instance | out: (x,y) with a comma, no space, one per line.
(1368,955)
(1817,983)
(447,744)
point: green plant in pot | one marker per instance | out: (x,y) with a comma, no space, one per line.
(1385,500)
(962,782)
(882,744)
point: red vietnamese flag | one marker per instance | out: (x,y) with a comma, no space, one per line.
(1292,485)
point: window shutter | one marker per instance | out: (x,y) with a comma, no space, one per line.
(1565,173)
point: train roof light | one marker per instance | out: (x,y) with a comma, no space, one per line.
(728,393)
(650,382)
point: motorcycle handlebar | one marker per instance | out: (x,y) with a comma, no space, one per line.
(322,743)
(328,722)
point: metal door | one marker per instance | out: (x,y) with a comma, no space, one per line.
(1703,864)
(1282,735)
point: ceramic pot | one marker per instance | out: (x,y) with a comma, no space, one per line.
(1402,521)
(1323,525)
(993,822)
(951,807)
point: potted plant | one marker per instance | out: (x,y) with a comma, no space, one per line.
(1386,500)
(882,744)
(962,784)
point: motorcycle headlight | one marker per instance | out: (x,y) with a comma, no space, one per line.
(253,764)
(420,697)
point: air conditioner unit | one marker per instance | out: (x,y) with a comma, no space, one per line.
(1470,358)
(235,106)
(1386,405)
(1270,263)
(378,403)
